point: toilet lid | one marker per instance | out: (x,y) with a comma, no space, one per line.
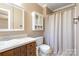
(44,48)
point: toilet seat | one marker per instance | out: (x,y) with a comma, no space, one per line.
(45,48)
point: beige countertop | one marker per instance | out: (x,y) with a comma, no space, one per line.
(13,43)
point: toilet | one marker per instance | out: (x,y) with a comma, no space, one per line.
(42,49)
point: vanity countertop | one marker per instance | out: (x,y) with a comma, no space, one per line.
(13,43)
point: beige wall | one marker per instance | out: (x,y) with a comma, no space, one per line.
(46,11)
(29,7)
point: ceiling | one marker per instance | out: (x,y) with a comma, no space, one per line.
(54,6)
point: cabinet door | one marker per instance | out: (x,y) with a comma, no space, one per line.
(28,50)
(18,18)
(20,51)
(37,21)
(6,17)
(23,50)
(31,49)
(17,51)
(8,53)
(0,54)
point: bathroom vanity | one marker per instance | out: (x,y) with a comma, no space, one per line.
(21,47)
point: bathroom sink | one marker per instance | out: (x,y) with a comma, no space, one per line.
(3,43)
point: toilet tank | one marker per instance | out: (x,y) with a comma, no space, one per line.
(39,40)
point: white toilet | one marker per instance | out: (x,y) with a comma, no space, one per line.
(42,49)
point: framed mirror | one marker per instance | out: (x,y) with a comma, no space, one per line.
(18,18)
(37,21)
(4,19)
(11,17)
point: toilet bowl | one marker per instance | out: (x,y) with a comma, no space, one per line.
(42,49)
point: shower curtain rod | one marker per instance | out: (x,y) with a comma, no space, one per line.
(61,8)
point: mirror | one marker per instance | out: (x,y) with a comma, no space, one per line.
(3,19)
(11,17)
(37,21)
(18,18)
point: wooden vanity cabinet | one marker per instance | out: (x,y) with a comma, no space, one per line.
(31,49)
(25,50)
(8,53)
(17,51)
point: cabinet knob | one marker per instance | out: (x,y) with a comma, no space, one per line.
(20,25)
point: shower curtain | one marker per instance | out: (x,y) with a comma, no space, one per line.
(59,31)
